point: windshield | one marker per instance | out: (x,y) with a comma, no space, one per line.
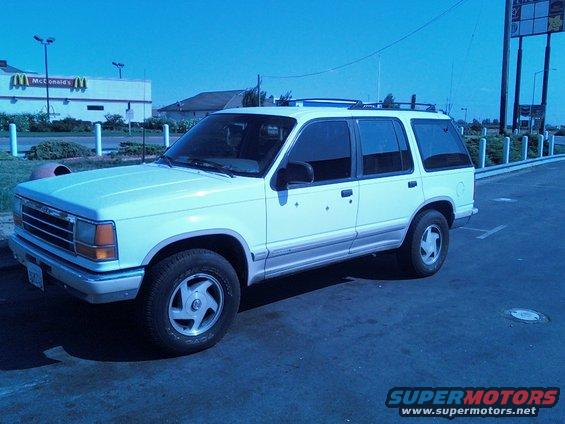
(243,144)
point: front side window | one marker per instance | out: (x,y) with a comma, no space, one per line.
(384,147)
(326,146)
(244,144)
(440,145)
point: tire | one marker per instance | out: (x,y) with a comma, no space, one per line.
(178,304)
(416,255)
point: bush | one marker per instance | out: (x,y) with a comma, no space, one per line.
(114,122)
(560,131)
(6,156)
(49,150)
(71,125)
(157,122)
(184,125)
(130,148)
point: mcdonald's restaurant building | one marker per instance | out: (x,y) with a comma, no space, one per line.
(80,97)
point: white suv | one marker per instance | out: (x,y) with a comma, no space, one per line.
(246,195)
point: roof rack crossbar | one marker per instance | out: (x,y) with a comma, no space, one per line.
(425,107)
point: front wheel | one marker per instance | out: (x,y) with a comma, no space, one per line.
(191,300)
(425,248)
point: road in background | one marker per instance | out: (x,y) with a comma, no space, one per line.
(321,346)
(109,143)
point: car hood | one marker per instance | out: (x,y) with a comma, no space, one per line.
(139,190)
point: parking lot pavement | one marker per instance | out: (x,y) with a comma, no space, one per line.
(325,345)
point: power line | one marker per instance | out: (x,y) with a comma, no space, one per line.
(376,52)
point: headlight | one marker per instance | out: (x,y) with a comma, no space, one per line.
(17,211)
(96,241)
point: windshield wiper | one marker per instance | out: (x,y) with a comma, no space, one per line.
(211,164)
(167,160)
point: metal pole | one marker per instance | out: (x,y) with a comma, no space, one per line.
(482,152)
(47,82)
(532,104)
(166,135)
(525,147)
(505,66)
(545,81)
(516,117)
(506,150)
(379,82)
(258,90)
(120,69)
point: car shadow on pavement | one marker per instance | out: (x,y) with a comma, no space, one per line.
(41,329)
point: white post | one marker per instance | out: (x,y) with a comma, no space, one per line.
(506,150)
(516,131)
(484,132)
(482,152)
(166,135)
(546,134)
(13,140)
(462,129)
(551,145)
(98,138)
(541,139)
(525,147)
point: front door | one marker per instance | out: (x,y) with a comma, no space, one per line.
(313,223)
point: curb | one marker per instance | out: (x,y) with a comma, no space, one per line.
(492,171)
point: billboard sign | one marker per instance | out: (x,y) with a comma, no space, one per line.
(23,80)
(535,111)
(535,17)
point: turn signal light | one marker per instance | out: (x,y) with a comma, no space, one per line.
(96,253)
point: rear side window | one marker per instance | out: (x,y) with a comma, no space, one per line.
(326,146)
(384,147)
(439,144)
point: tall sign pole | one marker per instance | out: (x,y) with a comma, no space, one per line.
(545,81)
(505,66)
(516,116)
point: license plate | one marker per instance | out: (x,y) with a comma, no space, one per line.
(35,275)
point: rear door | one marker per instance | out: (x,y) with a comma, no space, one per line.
(389,189)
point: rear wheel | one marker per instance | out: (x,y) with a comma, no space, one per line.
(426,244)
(191,301)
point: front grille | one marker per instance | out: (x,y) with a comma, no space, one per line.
(48,224)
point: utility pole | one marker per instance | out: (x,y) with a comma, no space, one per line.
(379,81)
(516,115)
(46,42)
(119,66)
(546,70)
(258,90)
(505,66)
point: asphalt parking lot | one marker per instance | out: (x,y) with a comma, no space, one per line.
(322,346)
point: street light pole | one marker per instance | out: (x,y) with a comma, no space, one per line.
(465,109)
(534,94)
(46,41)
(119,66)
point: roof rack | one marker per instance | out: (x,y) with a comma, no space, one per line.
(421,107)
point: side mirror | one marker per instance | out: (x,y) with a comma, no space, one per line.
(295,172)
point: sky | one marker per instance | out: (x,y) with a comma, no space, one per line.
(186,47)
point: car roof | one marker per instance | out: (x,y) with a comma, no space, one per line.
(308,113)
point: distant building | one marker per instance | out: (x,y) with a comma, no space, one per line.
(86,98)
(205,103)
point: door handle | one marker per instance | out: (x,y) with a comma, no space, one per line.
(412,184)
(346,193)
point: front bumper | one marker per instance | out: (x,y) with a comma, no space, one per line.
(90,286)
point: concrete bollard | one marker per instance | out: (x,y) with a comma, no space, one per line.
(484,133)
(506,150)
(525,147)
(98,138)
(546,135)
(541,139)
(166,135)
(13,140)
(462,130)
(482,152)
(516,131)
(551,145)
